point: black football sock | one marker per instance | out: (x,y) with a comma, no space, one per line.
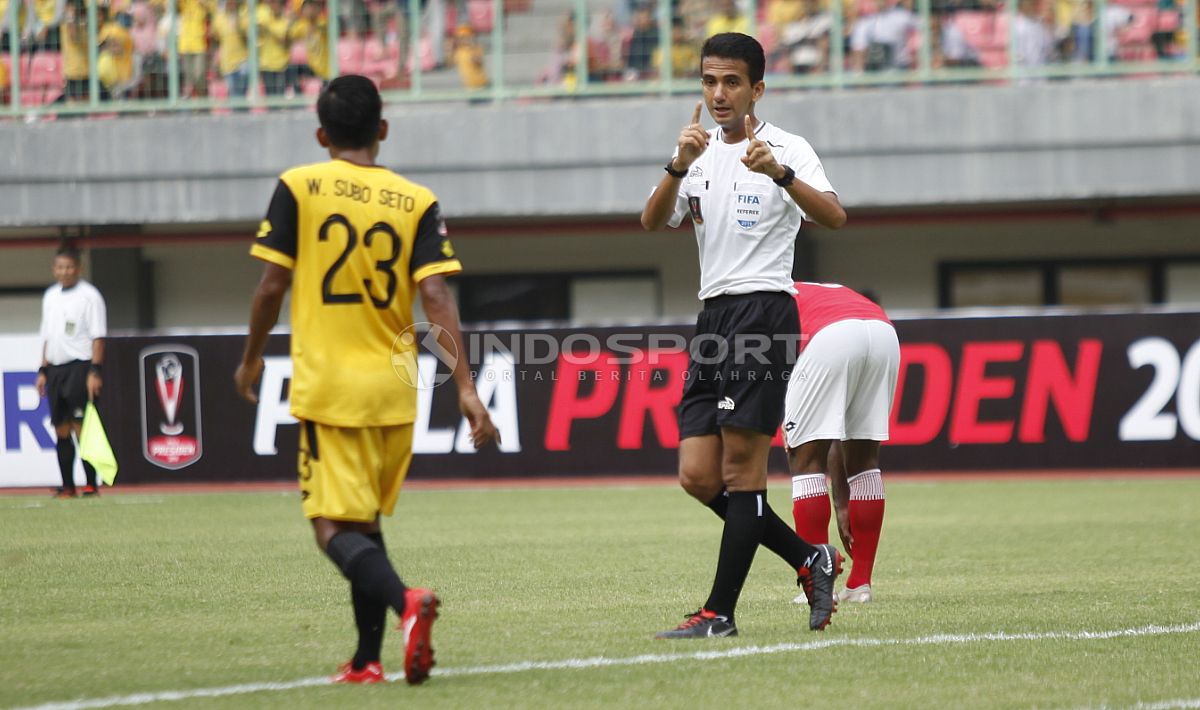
(66,462)
(719,504)
(369,617)
(89,473)
(367,567)
(778,536)
(743,531)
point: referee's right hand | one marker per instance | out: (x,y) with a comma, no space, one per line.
(693,139)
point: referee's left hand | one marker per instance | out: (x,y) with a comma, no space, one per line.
(758,157)
(93,385)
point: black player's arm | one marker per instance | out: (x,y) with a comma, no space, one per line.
(442,310)
(661,203)
(264,309)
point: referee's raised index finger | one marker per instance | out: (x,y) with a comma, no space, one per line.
(696,113)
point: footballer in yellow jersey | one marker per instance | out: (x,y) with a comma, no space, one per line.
(355,243)
(368,237)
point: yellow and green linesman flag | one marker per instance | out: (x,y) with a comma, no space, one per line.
(94,447)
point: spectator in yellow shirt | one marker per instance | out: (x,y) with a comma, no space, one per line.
(274,34)
(192,41)
(468,58)
(114,65)
(42,27)
(229,25)
(727,18)
(313,29)
(73,35)
(685,57)
(3,82)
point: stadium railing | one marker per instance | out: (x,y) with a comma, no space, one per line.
(515,50)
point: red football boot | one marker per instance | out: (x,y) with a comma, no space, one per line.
(420,610)
(371,673)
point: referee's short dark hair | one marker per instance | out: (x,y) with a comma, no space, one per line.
(735,45)
(350,111)
(70,251)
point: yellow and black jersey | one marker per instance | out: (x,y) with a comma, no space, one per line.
(358,240)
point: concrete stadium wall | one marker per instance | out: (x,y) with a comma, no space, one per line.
(893,147)
(208,284)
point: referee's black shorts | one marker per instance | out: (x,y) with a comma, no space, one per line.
(739,362)
(66,388)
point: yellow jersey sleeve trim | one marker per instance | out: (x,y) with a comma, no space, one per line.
(450,266)
(277,258)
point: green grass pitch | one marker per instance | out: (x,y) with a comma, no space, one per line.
(997,594)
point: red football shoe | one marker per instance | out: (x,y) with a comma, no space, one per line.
(371,673)
(420,610)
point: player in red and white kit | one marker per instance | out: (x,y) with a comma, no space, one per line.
(836,412)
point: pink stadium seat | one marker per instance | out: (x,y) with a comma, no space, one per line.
(373,50)
(351,53)
(480,16)
(976,27)
(217,89)
(298,54)
(1168,20)
(451,19)
(993,58)
(46,71)
(311,86)
(768,37)
(425,54)
(1138,31)
(999,37)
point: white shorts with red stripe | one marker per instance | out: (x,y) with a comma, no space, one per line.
(843,384)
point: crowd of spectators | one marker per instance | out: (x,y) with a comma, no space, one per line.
(876,36)
(622,43)
(132,38)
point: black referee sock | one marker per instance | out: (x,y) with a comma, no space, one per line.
(89,473)
(367,567)
(778,536)
(744,523)
(66,462)
(369,618)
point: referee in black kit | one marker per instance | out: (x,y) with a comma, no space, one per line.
(74,323)
(747,186)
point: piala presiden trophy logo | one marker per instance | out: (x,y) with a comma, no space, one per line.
(170,385)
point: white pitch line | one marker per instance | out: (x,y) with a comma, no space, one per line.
(605,662)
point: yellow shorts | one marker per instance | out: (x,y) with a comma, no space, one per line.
(352,474)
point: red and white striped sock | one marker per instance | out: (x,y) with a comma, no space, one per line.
(866,521)
(810,508)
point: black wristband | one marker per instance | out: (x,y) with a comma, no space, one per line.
(95,369)
(673,172)
(789,175)
(43,370)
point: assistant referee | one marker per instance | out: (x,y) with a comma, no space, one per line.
(74,324)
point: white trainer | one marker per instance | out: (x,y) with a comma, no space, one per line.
(860,594)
